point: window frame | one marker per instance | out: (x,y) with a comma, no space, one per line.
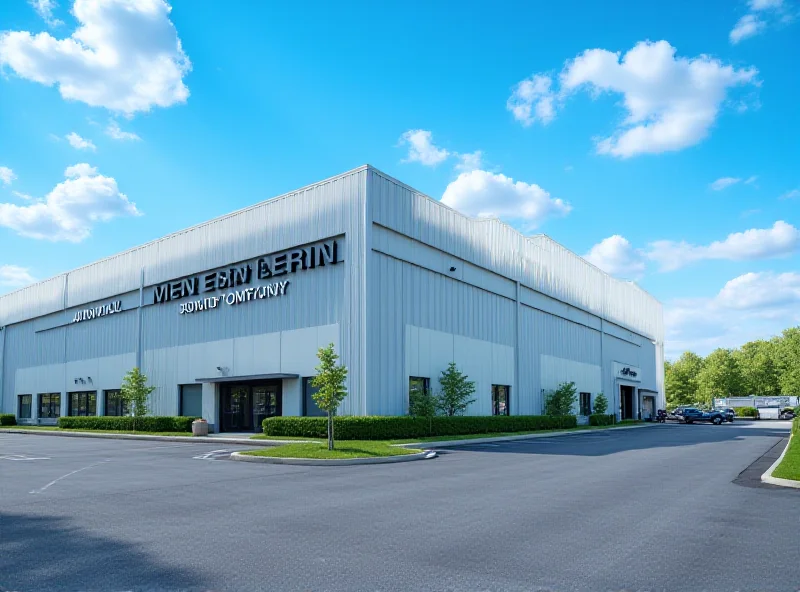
(50,400)
(308,396)
(181,410)
(30,406)
(496,389)
(120,405)
(588,406)
(426,383)
(83,399)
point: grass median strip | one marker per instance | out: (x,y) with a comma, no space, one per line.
(344,449)
(790,465)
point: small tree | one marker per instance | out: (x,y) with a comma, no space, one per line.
(453,399)
(600,404)
(421,402)
(330,380)
(562,400)
(134,392)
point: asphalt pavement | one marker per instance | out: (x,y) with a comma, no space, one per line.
(655,509)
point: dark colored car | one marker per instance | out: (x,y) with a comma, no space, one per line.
(727,413)
(693,415)
(787,414)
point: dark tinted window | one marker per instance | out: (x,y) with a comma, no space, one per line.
(24,406)
(49,405)
(83,403)
(192,400)
(586,403)
(310,408)
(500,401)
(115,404)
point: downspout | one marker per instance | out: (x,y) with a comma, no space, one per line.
(139,320)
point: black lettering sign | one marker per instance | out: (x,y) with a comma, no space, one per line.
(264,272)
(279,263)
(210,282)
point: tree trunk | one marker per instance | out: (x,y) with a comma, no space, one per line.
(330,430)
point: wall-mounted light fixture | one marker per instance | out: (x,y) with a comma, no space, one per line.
(452,268)
(90,380)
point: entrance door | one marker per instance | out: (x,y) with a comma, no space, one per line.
(266,403)
(237,409)
(625,402)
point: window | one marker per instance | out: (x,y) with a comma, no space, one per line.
(500,399)
(49,405)
(418,383)
(115,404)
(586,403)
(191,400)
(24,406)
(83,403)
(310,408)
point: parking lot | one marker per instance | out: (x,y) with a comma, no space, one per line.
(654,508)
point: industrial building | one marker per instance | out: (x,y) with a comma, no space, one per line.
(225,318)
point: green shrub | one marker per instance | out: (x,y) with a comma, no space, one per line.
(561,401)
(400,427)
(600,404)
(746,411)
(143,424)
(601,419)
(7,419)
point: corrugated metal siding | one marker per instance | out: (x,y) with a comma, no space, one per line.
(537,262)
(105,336)
(34,301)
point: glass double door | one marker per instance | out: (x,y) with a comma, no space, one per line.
(245,406)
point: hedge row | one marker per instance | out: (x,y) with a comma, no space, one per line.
(7,419)
(400,427)
(745,411)
(143,424)
(598,419)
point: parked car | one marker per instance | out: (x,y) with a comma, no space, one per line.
(727,412)
(692,415)
(787,414)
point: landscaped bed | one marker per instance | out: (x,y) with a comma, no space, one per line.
(344,449)
(790,465)
(86,430)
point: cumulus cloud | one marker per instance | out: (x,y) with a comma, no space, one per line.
(7,176)
(125,56)
(671,101)
(533,100)
(615,255)
(469,161)
(761,14)
(757,243)
(113,130)
(14,276)
(485,194)
(71,209)
(793,194)
(44,8)
(80,143)
(751,306)
(421,148)
(724,183)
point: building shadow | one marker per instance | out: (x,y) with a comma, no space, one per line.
(41,553)
(605,442)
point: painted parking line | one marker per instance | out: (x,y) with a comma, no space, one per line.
(54,481)
(22,457)
(213,455)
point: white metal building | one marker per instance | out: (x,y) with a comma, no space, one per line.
(225,318)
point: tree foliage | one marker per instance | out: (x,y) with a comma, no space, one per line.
(759,369)
(562,400)
(421,402)
(455,392)
(720,377)
(135,392)
(787,357)
(600,404)
(330,380)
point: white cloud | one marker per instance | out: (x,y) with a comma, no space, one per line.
(751,180)
(470,161)
(533,100)
(780,240)
(70,210)
(80,143)
(421,148)
(485,194)
(44,8)
(113,130)
(794,193)
(762,14)
(724,183)
(751,306)
(671,102)
(125,56)
(7,176)
(14,276)
(747,26)
(616,255)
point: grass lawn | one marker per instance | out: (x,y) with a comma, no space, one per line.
(790,465)
(57,429)
(447,438)
(344,449)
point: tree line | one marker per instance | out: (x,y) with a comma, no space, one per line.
(763,368)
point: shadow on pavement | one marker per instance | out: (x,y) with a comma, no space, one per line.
(602,442)
(51,553)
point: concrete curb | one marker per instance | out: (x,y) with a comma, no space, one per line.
(319,462)
(768,478)
(192,439)
(492,439)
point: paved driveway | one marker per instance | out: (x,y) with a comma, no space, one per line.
(645,509)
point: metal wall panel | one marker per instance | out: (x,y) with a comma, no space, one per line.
(37,300)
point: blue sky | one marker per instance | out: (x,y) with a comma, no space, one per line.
(662,143)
